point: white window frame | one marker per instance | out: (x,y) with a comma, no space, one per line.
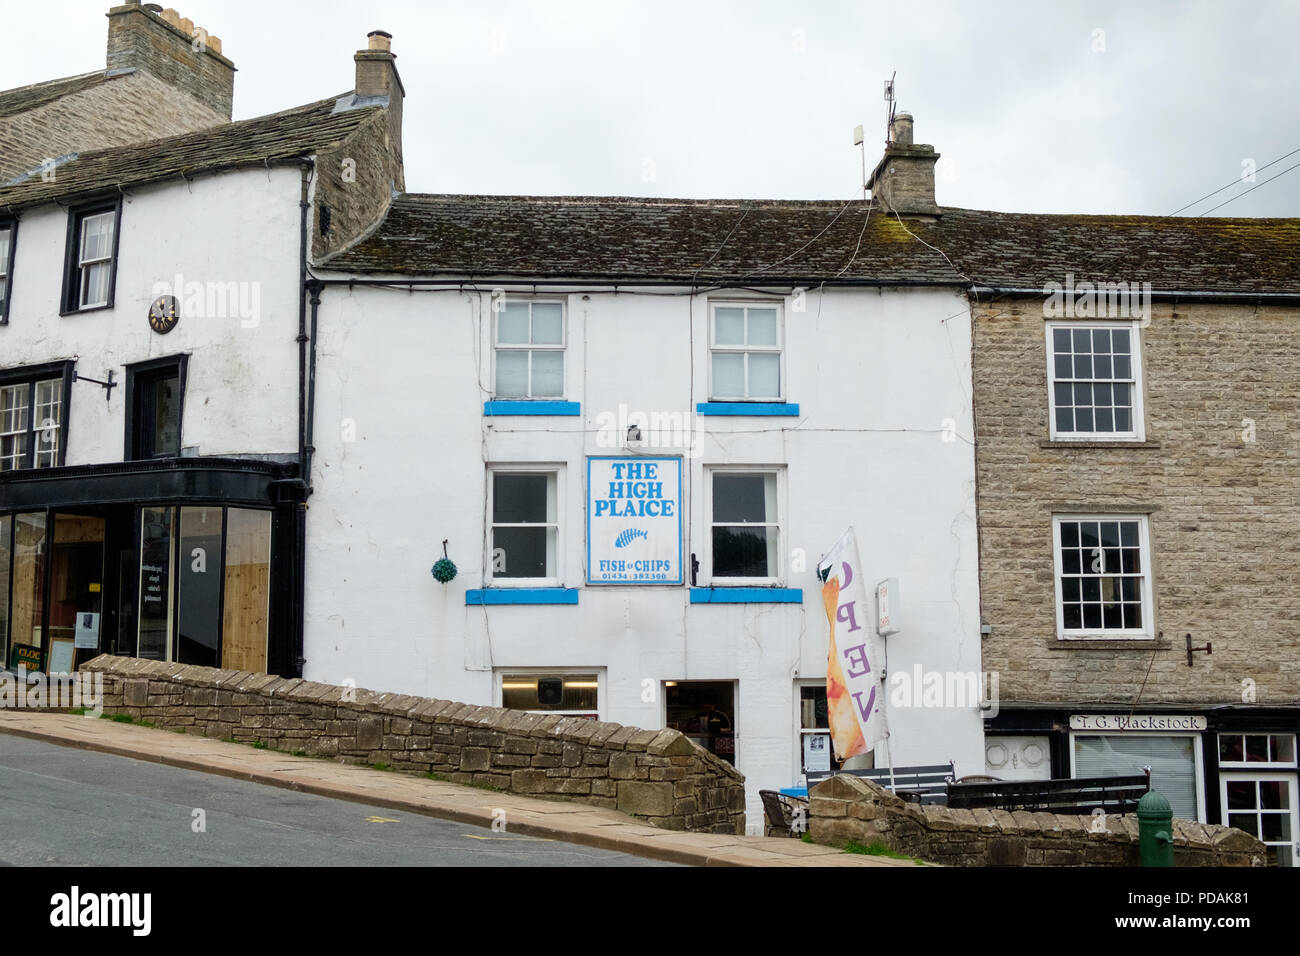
(1147,631)
(1264,776)
(530,347)
(18,460)
(500,673)
(1198,756)
(557,578)
(43,453)
(800,731)
(778,349)
(1138,431)
(780,525)
(84,265)
(47,431)
(1261,764)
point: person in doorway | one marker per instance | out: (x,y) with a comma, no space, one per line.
(713,721)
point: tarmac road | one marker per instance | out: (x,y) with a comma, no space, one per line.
(62,806)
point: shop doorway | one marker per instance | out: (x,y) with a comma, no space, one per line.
(1265,806)
(704,711)
(61,593)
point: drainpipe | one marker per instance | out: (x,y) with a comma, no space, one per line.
(299,590)
(314,287)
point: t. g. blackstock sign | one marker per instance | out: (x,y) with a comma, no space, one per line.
(1158,722)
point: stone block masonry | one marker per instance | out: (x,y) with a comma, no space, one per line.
(846,809)
(657,776)
(1219,477)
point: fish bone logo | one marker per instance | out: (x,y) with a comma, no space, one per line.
(628,536)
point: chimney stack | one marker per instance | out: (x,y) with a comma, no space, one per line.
(377,77)
(171,48)
(903,180)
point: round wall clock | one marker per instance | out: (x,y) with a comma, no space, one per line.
(164,313)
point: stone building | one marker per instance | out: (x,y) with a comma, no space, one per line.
(162,75)
(1137,425)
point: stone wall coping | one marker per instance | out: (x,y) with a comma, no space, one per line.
(835,797)
(360,701)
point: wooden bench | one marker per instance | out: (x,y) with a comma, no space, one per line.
(1073,795)
(924,784)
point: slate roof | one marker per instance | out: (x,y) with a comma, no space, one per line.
(741,241)
(24,98)
(622,238)
(1174,254)
(266,139)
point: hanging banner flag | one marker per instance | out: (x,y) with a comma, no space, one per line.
(854,696)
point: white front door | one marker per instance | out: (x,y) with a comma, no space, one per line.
(1265,806)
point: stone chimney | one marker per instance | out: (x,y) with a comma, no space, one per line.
(168,46)
(903,180)
(377,77)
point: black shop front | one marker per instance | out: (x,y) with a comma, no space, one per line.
(192,560)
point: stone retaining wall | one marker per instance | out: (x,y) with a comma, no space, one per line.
(849,809)
(658,776)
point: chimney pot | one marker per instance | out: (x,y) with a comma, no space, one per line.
(380,40)
(902,130)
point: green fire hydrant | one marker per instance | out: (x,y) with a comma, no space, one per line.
(1155,830)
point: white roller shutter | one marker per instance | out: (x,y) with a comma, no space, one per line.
(1172,761)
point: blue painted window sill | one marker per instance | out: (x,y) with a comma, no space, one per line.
(746,595)
(532,408)
(747,408)
(521,596)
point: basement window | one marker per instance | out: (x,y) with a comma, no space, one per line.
(570,694)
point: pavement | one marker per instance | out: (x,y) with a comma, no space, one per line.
(512,814)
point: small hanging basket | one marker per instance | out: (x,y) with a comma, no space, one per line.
(444,569)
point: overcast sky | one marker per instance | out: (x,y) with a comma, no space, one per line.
(1130,107)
